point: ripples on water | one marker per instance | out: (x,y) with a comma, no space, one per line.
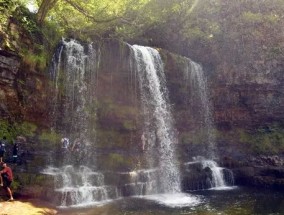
(239,201)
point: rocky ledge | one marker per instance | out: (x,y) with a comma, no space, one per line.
(259,171)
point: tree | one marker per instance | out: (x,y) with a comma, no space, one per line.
(44,7)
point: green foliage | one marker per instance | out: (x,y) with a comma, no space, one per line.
(189,27)
(50,137)
(15,185)
(12,130)
(26,129)
(269,140)
(116,161)
(36,61)
(27,21)
(264,140)
(195,137)
(7,130)
(6,6)
(92,17)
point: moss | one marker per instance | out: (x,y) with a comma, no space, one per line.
(129,125)
(195,137)
(23,180)
(269,140)
(264,140)
(112,139)
(27,129)
(124,116)
(49,136)
(7,130)
(12,130)
(115,161)
(36,61)
(15,185)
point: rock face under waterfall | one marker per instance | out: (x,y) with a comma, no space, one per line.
(239,108)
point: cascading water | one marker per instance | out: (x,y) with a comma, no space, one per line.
(74,70)
(73,60)
(74,73)
(81,186)
(141,182)
(199,97)
(195,74)
(218,179)
(158,129)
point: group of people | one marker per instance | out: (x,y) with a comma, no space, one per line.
(6,174)
(73,152)
(15,150)
(77,150)
(77,146)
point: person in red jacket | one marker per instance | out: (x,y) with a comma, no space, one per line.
(7,178)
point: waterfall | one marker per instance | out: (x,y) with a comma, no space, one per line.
(158,132)
(199,96)
(72,60)
(217,173)
(73,73)
(142,182)
(80,187)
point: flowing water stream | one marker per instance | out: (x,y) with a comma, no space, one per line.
(158,125)
(200,98)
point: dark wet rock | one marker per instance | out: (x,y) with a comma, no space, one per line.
(259,171)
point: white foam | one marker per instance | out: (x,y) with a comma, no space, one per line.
(88,204)
(224,188)
(51,171)
(175,200)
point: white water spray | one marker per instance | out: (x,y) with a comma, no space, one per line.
(198,83)
(158,129)
(80,187)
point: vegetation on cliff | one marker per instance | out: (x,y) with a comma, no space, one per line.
(241,28)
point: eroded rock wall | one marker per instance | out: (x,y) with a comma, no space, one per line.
(242,103)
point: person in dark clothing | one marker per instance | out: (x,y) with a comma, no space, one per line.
(2,148)
(7,178)
(78,150)
(15,151)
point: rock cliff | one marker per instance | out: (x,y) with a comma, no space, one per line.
(247,110)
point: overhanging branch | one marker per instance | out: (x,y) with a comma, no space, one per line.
(86,14)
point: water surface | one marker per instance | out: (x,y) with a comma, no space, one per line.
(239,201)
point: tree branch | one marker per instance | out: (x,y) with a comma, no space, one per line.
(86,14)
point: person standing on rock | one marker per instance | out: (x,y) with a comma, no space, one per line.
(7,178)
(2,148)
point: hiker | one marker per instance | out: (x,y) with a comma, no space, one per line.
(15,151)
(6,180)
(78,150)
(2,148)
(143,140)
(76,147)
(65,143)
